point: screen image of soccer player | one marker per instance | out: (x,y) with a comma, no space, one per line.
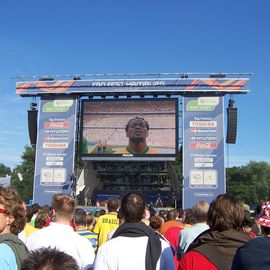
(143,128)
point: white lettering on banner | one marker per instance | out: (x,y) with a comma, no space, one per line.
(52,138)
(197,130)
(62,131)
(127,83)
(200,138)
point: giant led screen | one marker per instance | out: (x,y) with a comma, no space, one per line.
(129,129)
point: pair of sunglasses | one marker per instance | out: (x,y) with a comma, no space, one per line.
(3,211)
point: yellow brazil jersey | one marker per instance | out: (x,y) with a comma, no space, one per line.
(105,224)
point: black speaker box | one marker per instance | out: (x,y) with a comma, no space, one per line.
(32,126)
(231,125)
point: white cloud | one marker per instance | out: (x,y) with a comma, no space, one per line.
(10,159)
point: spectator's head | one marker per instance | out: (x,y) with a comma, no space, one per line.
(247,223)
(29,212)
(177,213)
(132,207)
(162,213)
(189,217)
(97,214)
(200,210)
(90,221)
(137,129)
(41,219)
(171,215)
(64,206)
(79,217)
(46,208)
(12,211)
(225,213)
(112,205)
(36,207)
(264,218)
(155,222)
(49,259)
(102,212)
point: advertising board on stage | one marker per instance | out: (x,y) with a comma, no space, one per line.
(203,148)
(55,148)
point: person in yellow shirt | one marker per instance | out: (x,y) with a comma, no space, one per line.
(28,228)
(108,222)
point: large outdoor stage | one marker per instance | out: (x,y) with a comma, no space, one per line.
(158,134)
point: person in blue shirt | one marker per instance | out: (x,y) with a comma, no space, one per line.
(12,221)
(79,220)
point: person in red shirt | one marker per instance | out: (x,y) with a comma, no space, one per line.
(215,248)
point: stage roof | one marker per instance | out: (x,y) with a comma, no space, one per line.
(133,86)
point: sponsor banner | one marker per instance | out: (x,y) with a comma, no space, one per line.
(223,85)
(203,149)
(55,148)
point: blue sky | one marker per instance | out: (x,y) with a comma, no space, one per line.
(70,37)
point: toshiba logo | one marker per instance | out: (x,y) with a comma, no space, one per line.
(203,123)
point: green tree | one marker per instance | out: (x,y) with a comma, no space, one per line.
(250,183)
(84,146)
(26,168)
(4,171)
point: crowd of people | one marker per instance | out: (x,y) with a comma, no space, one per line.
(222,235)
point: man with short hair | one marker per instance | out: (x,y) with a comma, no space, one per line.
(108,222)
(79,220)
(134,245)
(187,235)
(136,131)
(171,221)
(60,234)
(49,259)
